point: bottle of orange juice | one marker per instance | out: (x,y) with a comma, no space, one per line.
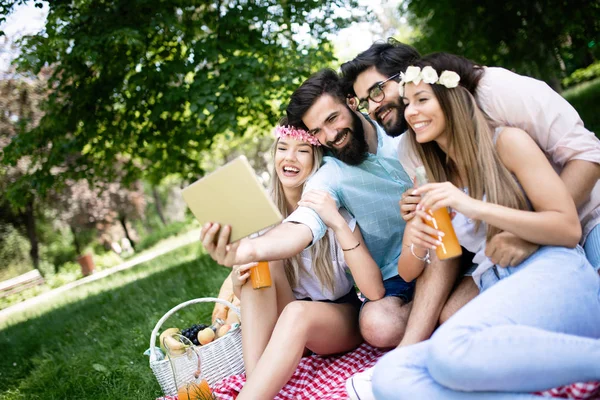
(260,275)
(195,391)
(450,247)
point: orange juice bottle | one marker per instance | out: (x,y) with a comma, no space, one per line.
(450,247)
(260,275)
(195,391)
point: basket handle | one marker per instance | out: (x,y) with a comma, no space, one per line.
(179,307)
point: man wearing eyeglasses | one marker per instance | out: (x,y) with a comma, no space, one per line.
(507,99)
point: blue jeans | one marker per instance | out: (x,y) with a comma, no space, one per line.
(592,247)
(533,327)
(397,287)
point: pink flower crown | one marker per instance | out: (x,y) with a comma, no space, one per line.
(296,134)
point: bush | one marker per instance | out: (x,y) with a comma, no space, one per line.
(69,272)
(14,253)
(582,75)
(106,259)
(585,98)
(59,249)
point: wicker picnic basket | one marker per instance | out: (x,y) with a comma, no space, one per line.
(218,359)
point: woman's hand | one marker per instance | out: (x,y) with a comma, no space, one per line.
(216,242)
(439,195)
(418,233)
(324,205)
(240,275)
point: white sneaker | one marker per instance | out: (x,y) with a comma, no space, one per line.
(359,386)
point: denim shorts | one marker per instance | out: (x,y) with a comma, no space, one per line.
(398,287)
(351,298)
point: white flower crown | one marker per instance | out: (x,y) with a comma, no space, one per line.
(413,74)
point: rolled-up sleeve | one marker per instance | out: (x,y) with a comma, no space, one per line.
(308,217)
(324,179)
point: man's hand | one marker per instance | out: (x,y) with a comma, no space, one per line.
(408,204)
(507,250)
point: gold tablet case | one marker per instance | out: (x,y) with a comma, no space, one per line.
(232,195)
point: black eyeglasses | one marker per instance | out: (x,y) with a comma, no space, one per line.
(375,93)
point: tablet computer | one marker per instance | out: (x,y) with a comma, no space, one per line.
(232,195)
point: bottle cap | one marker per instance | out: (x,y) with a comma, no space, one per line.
(217,324)
(421,175)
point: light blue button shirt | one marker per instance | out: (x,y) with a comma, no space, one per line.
(371,192)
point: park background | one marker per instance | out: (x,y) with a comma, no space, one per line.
(109,108)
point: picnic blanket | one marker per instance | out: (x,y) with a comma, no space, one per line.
(324,378)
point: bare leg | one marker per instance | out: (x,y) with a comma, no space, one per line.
(383,322)
(466,291)
(325,328)
(431,292)
(260,309)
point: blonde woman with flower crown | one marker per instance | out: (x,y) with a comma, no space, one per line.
(312,304)
(533,326)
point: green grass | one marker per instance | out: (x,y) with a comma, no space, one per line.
(585,98)
(71,271)
(88,343)
(172,229)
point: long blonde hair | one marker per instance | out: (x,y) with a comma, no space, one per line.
(320,252)
(470,140)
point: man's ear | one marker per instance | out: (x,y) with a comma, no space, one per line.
(352,102)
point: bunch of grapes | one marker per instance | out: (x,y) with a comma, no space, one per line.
(192,333)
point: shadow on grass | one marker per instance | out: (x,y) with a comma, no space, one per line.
(93,348)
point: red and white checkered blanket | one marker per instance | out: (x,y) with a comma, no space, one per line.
(325,377)
(315,378)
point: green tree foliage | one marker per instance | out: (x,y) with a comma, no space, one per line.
(155,81)
(19,101)
(545,39)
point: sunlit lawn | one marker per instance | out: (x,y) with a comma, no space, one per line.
(89,343)
(169,237)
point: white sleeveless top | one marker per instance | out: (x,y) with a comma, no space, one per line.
(309,285)
(473,240)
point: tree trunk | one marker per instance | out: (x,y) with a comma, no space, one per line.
(76,241)
(34,252)
(158,205)
(124,225)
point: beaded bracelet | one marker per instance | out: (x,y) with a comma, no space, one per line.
(426,259)
(352,248)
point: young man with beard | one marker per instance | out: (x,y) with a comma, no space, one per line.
(364,175)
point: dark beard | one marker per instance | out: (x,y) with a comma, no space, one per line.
(397,128)
(355,151)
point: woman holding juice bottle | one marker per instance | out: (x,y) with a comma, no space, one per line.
(533,326)
(311,303)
